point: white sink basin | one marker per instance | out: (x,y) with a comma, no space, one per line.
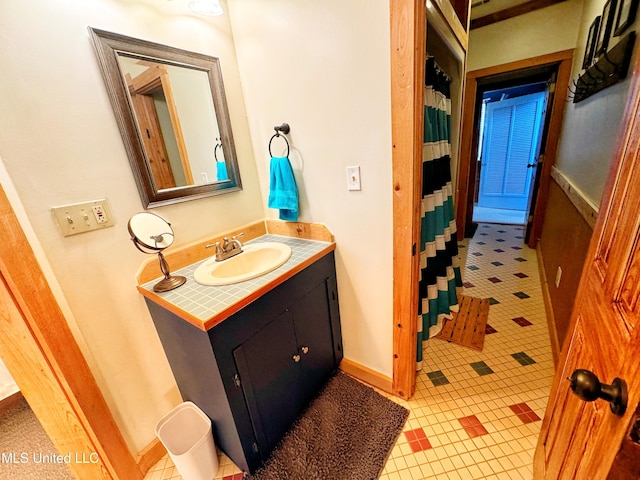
(255,260)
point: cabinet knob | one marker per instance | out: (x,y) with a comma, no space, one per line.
(305,349)
(296,358)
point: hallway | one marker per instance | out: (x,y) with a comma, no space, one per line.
(475,415)
(481,411)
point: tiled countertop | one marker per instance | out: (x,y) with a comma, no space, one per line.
(205,306)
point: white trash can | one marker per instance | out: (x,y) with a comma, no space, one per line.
(186,434)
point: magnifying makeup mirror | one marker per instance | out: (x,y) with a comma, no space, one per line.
(150,234)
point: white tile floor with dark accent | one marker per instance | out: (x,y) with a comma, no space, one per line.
(475,415)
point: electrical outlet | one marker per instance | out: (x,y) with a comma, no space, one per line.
(99,214)
(353,178)
(83,217)
(558,276)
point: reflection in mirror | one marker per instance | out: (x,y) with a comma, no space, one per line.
(152,234)
(173,117)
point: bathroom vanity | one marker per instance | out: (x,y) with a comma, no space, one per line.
(253,354)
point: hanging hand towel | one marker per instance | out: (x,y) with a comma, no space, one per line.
(221,170)
(283,193)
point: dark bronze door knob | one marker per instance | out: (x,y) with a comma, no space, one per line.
(586,386)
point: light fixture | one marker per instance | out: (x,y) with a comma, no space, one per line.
(210,8)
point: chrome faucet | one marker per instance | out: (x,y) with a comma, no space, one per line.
(228,248)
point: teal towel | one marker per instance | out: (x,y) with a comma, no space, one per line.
(221,170)
(283,192)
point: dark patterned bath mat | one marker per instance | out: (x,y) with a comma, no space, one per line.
(347,432)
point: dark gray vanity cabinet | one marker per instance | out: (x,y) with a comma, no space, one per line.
(255,372)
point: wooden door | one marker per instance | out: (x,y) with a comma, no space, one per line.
(153,140)
(581,440)
(166,152)
(511,143)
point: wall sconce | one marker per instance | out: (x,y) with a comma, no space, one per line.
(210,8)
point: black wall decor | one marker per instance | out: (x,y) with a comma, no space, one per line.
(610,68)
(626,15)
(606,24)
(590,48)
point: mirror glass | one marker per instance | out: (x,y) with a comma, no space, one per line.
(150,234)
(172,114)
(150,231)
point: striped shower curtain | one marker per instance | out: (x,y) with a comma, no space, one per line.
(439,266)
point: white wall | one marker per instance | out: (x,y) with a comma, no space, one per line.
(591,127)
(7,384)
(323,67)
(542,31)
(60,144)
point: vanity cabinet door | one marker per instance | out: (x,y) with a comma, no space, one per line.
(315,341)
(285,364)
(268,365)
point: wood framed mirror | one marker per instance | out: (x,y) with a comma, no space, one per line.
(172,114)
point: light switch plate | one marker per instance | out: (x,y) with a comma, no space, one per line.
(353,178)
(83,217)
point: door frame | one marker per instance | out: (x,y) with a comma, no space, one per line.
(408,51)
(141,88)
(43,357)
(408,28)
(469,135)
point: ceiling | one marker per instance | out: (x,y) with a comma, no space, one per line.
(480,8)
(486,12)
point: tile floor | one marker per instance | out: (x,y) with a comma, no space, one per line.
(475,415)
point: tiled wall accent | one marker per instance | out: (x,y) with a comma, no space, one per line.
(204,301)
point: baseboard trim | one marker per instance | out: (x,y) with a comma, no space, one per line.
(150,455)
(367,375)
(548,307)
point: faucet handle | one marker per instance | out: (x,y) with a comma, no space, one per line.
(216,245)
(235,239)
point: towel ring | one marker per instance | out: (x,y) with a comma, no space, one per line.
(277,134)
(215,150)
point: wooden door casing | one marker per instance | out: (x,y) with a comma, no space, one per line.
(155,80)
(578,439)
(42,355)
(153,140)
